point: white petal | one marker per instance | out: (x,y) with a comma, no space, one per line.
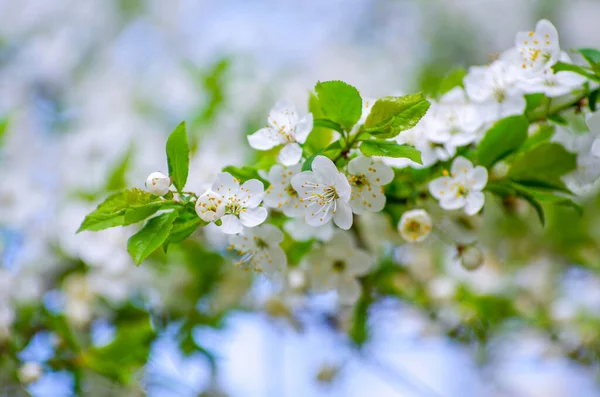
(478,177)
(253,216)
(512,105)
(474,202)
(453,202)
(461,165)
(325,169)
(231,224)
(251,193)
(290,154)
(359,165)
(359,263)
(274,261)
(596,147)
(264,139)
(342,186)
(226,185)
(283,116)
(276,174)
(348,290)
(303,128)
(301,183)
(319,215)
(343,215)
(593,122)
(269,233)
(440,187)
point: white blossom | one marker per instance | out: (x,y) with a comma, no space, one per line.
(462,189)
(158,183)
(210,206)
(299,230)
(431,152)
(553,84)
(241,202)
(30,372)
(593,121)
(325,193)
(415,225)
(258,249)
(336,265)
(538,50)
(471,257)
(281,195)
(285,127)
(367,178)
(494,89)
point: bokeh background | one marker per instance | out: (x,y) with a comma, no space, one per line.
(89,91)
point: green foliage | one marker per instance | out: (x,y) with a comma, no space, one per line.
(151,236)
(390,149)
(178,156)
(569,67)
(544,133)
(592,56)
(321,134)
(452,80)
(330,151)
(543,166)
(184,225)
(502,139)
(328,124)
(359,330)
(392,115)
(116,179)
(340,102)
(124,208)
(245,173)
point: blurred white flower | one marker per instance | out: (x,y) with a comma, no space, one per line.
(210,206)
(553,84)
(281,194)
(593,121)
(336,265)
(415,225)
(367,178)
(241,203)
(258,249)
(431,152)
(463,189)
(471,257)
(30,372)
(325,193)
(285,127)
(299,230)
(158,183)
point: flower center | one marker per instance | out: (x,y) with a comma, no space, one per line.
(359,181)
(234,206)
(339,266)
(413,226)
(500,95)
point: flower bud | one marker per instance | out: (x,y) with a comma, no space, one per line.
(471,257)
(210,206)
(415,225)
(158,183)
(30,372)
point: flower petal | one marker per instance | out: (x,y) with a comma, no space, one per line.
(461,165)
(324,168)
(319,215)
(253,216)
(343,215)
(226,185)
(303,183)
(348,290)
(453,202)
(303,128)
(252,193)
(440,187)
(264,139)
(359,165)
(231,224)
(478,177)
(290,154)
(342,186)
(474,202)
(359,263)
(274,260)
(269,233)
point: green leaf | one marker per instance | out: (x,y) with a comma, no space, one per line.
(178,156)
(544,133)
(151,236)
(330,151)
(593,99)
(124,208)
(321,135)
(390,149)
(340,102)
(185,224)
(569,67)
(245,173)
(453,79)
(331,125)
(591,55)
(297,250)
(543,166)
(359,329)
(392,115)
(502,139)
(533,101)
(116,179)
(3,128)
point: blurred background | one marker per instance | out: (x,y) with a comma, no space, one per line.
(90,90)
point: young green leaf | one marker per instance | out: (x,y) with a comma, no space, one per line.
(543,166)
(505,137)
(592,56)
(392,115)
(453,79)
(569,67)
(321,134)
(340,102)
(116,180)
(328,124)
(390,149)
(178,156)
(151,236)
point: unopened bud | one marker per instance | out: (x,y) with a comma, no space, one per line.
(158,183)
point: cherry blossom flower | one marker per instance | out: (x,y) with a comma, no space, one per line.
(336,265)
(415,225)
(463,189)
(241,202)
(538,50)
(258,249)
(325,193)
(285,127)
(281,195)
(158,183)
(299,230)
(367,178)
(553,84)
(210,206)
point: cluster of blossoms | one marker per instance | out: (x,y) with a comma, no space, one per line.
(321,196)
